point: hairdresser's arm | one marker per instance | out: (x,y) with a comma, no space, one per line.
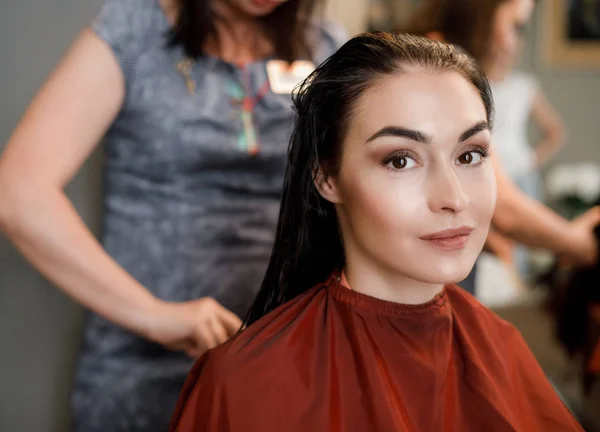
(60,129)
(552,129)
(519,217)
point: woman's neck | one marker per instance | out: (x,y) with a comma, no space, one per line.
(239,38)
(386,284)
(239,41)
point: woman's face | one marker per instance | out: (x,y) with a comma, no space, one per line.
(256,8)
(509,25)
(415,191)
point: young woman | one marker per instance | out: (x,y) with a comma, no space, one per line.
(491,31)
(191,97)
(387,203)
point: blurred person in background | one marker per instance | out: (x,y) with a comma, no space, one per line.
(193,99)
(518,98)
(491,31)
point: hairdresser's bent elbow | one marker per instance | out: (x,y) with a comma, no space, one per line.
(15,203)
(505,221)
(6,206)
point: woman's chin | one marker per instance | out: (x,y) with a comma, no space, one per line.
(446,275)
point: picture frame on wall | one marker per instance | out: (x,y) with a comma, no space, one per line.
(571,34)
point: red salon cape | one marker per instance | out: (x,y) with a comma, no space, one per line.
(336,360)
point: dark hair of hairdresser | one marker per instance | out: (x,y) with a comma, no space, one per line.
(286,27)
(308,245)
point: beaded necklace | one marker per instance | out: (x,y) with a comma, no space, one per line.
(241,97)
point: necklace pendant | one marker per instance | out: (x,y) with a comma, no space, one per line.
(250,138)
(191,85)
(185,67)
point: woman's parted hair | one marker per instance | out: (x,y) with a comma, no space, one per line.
(308,246)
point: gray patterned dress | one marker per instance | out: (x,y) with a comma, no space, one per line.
(188,211)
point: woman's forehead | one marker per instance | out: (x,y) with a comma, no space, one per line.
(419,99)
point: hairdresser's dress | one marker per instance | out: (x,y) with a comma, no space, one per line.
(334,360)
(188,210)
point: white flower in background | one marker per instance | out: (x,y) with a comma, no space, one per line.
(581,180)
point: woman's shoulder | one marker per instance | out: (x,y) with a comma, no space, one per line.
(270,337)
(127,17)
(488,343)
(259,364)
(479,319)
(267,347)
(127,26)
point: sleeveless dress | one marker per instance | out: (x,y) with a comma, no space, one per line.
(189,210)
(513,101)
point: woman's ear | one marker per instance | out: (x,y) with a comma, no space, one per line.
(435,35)
(327,186)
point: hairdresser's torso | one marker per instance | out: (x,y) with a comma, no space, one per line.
(188,202)
(192,184)
(513,98)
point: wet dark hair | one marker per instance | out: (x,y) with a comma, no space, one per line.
(308,245)
(286,27)
(466,23)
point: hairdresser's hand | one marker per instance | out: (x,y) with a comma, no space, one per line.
(583,233)
(194,326)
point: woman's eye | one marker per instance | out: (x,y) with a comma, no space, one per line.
(470,158)
(402,162)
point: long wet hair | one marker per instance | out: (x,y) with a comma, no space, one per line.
(308,244)
(466,23)
(286,26)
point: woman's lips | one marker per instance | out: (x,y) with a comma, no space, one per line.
(449,240)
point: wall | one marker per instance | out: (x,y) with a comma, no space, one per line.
(575,93)
(39,327)
(353,14)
